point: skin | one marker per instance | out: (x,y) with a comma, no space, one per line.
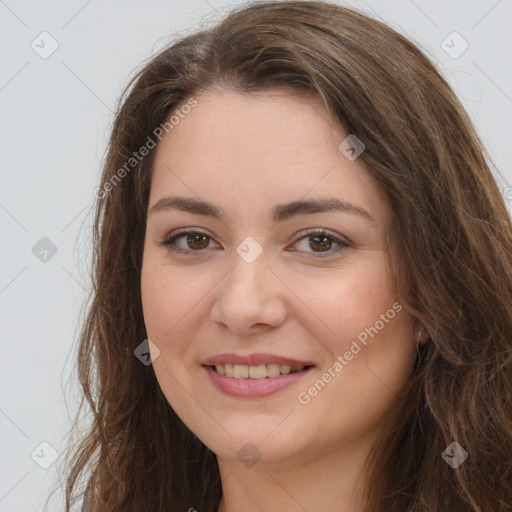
(245,154)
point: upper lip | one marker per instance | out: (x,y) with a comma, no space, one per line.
(254,360)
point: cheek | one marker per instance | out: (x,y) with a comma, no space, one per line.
(162,313)
(168,305)
(347,301)
(369,359)
(156,296)
(356,316)
(168,299)
(175,305)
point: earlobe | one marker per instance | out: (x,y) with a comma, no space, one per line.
(420,334)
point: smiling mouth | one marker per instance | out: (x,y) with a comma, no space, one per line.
(261,371)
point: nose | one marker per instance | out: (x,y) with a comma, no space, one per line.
(250,299)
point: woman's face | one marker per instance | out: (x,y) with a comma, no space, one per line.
(286,268)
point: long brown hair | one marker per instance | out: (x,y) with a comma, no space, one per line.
(450,250)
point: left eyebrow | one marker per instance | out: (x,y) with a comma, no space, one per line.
(280,212)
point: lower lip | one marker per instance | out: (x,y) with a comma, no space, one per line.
(253,388)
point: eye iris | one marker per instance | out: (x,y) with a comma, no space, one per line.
(196,237)
(323,239)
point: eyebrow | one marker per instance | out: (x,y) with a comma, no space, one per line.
(280,212)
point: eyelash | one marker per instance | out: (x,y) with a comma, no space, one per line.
(168,242)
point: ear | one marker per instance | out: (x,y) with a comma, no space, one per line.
(420,334)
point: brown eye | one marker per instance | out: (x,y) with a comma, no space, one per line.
(321,241)
(199,239)
(191,241)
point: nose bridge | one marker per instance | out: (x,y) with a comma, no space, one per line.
(249,270)
(249,293)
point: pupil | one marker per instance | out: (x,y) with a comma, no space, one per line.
(323,240)
(196,239)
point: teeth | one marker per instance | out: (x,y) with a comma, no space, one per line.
(257,372)
(285,369)
(273,370)
(241,371)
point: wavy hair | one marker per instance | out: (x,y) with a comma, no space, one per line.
(449,247)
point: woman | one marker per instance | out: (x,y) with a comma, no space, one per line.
(298,228)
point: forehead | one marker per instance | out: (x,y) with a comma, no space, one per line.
(239,126)
(273,146)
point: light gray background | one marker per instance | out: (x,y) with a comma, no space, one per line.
(55,117)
